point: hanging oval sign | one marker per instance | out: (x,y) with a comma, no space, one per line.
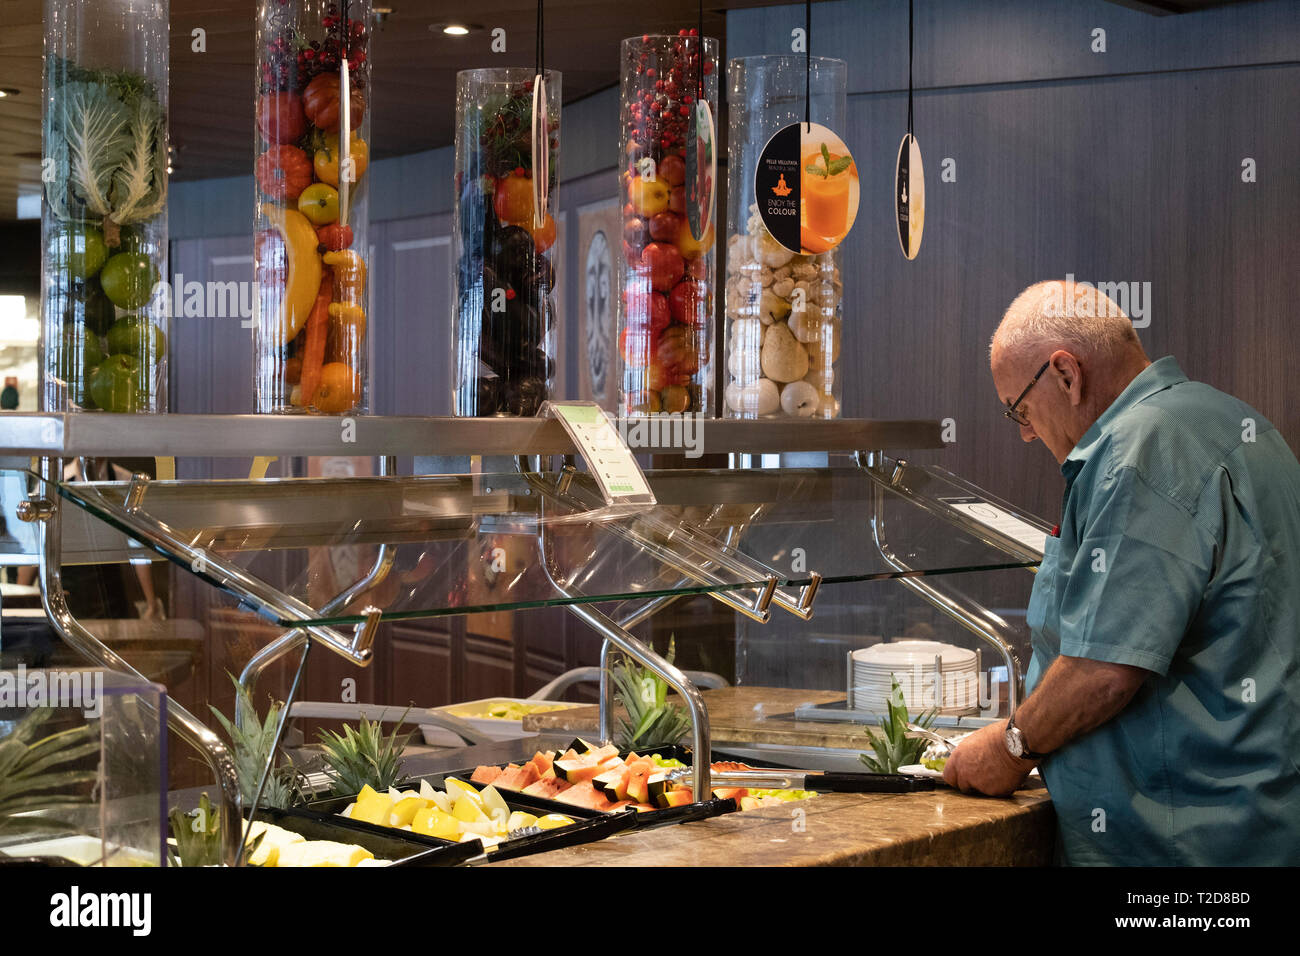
(909,195)
(541,148)
(806,186)
(701,169)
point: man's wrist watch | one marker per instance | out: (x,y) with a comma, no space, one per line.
(1015,741)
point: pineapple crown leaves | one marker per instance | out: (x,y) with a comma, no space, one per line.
(894,748)
(31,767)
(252,740)
(650,718)
(363,755)
(197,837)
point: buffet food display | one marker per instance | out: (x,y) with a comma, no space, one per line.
(312,148)
(104,223)
(665,327)
(506,335)
(783,307)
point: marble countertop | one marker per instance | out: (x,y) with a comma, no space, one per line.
(940,827)
(934,828)
(739,715)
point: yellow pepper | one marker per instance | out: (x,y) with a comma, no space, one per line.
(326,159)
(349,275)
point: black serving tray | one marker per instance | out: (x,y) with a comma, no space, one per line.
(642,819)
(588,826)
(399,846)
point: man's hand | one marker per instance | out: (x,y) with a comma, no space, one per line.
(983,764)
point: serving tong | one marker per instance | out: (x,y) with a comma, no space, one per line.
(826,781)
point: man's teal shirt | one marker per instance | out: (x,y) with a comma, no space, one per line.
(1179,552)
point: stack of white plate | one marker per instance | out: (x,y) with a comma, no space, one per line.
(914,664)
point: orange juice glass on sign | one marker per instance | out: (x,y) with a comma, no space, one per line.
(825,198)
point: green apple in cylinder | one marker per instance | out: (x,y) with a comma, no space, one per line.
(128,279)
(136,335)
(79,251)
(121,384)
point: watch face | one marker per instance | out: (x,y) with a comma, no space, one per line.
(1014,742)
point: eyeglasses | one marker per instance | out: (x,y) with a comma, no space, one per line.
(1011,411)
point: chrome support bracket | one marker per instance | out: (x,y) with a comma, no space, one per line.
(54,600)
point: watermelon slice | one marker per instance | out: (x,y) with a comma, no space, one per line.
(485,774)
(637,788)
(516,778)
(547,787)
(577,771)
(621,804)
(585,795)
(730,793)
(543,761)
(604,753)
(676,798)
(610,781)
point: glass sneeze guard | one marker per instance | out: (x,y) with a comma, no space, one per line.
(458,544)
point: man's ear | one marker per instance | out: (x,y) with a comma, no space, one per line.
(1069,375)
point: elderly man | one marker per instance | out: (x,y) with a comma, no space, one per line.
(1164,710)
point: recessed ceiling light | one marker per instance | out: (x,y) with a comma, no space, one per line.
(456,30)
(9,91)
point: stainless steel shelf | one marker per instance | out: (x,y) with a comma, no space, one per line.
(243,436)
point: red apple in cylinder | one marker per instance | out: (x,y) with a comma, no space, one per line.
(676,353)
(656,376)
(687,302)
(635,346)
(664,227)
(672,169)
(634,232)
(677,200)
(664,263)
(646,308)
(697,269)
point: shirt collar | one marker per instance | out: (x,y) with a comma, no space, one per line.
(1156,377)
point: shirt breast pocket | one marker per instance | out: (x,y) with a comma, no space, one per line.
(1044,592)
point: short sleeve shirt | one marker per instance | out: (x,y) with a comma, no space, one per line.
(1179,552)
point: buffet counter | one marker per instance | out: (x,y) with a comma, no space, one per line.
(937,828)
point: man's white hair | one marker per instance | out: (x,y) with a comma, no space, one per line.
(1065,315)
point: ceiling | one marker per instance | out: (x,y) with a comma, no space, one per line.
(211,93)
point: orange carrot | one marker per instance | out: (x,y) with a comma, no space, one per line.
(313,353)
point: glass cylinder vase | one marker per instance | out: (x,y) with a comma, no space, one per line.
(506,337)
(312,148)
(104,313)
(665,317)
(783,310)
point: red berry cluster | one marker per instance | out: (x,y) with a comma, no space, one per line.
(289,61)
(656,114)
